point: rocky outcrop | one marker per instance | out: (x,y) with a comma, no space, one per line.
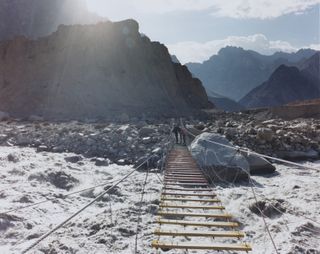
(34,18)
(101,71)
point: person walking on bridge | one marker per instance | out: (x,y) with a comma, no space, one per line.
(183,133)
(176,130)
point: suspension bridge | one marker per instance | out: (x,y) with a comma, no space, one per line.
(187,201)
(190,216)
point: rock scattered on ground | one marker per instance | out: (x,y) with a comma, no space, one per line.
(124,144)
(297,139)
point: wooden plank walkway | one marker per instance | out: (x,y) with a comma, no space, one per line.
(190,210)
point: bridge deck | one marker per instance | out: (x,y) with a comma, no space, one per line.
(185,215)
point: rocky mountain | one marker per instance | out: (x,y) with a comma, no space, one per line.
(234,72)
(287,84)
(34,18)
(311,68)
(92,71)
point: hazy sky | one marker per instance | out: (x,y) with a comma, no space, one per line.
(196,29)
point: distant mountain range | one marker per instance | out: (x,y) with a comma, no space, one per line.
(287,84)
(234,72)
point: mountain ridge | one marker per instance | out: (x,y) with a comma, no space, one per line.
(234,72)
(92,71)
(287,84)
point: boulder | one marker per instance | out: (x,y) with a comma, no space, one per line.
(7,221)
(258,165)
(269,208)
(62,180)
(219,163)
(146,131)
(102,162)
(265,134)
(73,159)
(13,158)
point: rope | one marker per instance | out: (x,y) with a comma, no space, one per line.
(159,178)
(53,199)
(140,211)
(83,208)
(263,217)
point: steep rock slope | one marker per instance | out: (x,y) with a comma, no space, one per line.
(34,18)
(310,68)
(285,85)
(234,72)
(92,71)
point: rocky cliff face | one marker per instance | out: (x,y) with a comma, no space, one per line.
(34,18)
(287,84)
(92,71)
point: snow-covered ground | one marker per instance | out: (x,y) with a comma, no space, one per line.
(109,225)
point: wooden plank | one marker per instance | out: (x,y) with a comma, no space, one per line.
(206,215)
(166,205)
(192,200)
(184,178)
(184,171)
(187,194)
(203,182)
(185,184)
(179,174)
(221,224)
(190,246)
(185,181)
(189,189)
(236,234)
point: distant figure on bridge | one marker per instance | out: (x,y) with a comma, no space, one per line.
(182,133)
(176,130)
